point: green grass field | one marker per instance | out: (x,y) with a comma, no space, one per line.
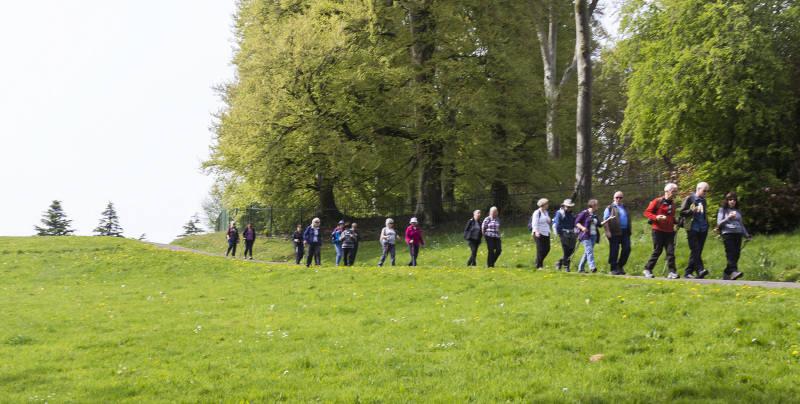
(113,320)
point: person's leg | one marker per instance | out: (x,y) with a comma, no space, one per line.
(338,253)
(230,247)
(411,262)
(614,243)
(701,266)
(489,251)
(310,255)
(353,256)
(585,256)
(346,256)
(416,253)
(318,254)
(693,239)
(546,245)
(539,252)
(566,251)
(473,248)
(658,247)
(572,246)
(383,255)
(624,253)
(590,255)
(392,251)
(669,245)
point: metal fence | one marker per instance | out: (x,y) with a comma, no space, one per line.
(515,209)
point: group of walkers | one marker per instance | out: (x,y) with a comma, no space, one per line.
(663,215)
(665,219)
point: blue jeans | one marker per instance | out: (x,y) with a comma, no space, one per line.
(413,250)
(338,253)
(588,254)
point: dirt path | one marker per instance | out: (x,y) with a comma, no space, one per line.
(755,284)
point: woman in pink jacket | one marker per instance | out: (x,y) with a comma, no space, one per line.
(414,240)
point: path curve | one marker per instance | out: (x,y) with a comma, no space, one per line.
(755,284)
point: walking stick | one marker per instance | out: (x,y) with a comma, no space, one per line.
(744,245)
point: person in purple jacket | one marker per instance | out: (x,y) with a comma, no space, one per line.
(249,235)
(588,223)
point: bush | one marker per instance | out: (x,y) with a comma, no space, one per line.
(772,209)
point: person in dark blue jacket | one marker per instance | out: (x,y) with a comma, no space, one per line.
(473,235)
(312,237)
(564,226)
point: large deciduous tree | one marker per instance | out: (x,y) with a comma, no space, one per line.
(715,84)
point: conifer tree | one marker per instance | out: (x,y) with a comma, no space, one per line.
(55,222)
(191,227)
(109,223)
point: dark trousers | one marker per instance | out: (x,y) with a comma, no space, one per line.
(349,255)
(299,251)
(733,248)
(248,246)
(568,246)
(314,252)
(542,249)
(697,240)
(617,259)
(493,244)
(414,251)
(662,240)
(388,249)
(231,247)
(353,257)
(473,247)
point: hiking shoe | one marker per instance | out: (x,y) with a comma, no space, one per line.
(558,264)
(702,274)
(648,274)
(593,270)
(673,275)
(614,272)
(689,275)
(621,271)
(736,275)
(726,277)
(582,271)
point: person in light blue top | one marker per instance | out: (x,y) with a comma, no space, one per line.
(693,212)
(618,231)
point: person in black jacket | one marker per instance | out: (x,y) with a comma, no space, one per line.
(297,239)
(356,238)
(232,235)
(473,235)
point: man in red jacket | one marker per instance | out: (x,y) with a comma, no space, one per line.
(662,213)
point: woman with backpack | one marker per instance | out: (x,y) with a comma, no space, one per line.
(589,223)
(491,231)
(232,235)
(473,235)
(731,226)
(336,239)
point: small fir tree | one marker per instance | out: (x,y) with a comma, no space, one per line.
(55,222)
(191,227)
(109,223)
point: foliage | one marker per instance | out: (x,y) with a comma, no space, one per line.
(322,111)
(55,222)
(115,320)
(775,209)
(715,84)
(109,223)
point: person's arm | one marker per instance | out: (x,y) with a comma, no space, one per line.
(557,222)
(408,235)
(579,221)
(648,213)
(536,216)
(606,214)
(687,207)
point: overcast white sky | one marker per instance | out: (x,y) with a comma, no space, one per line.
(105,100)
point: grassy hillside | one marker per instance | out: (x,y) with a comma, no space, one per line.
(769,258)
(113,320)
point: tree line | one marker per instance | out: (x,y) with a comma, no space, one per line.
(370,103)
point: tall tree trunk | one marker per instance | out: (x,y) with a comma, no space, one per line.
(552,87)
(326,207)
(583,51)
(429,201)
